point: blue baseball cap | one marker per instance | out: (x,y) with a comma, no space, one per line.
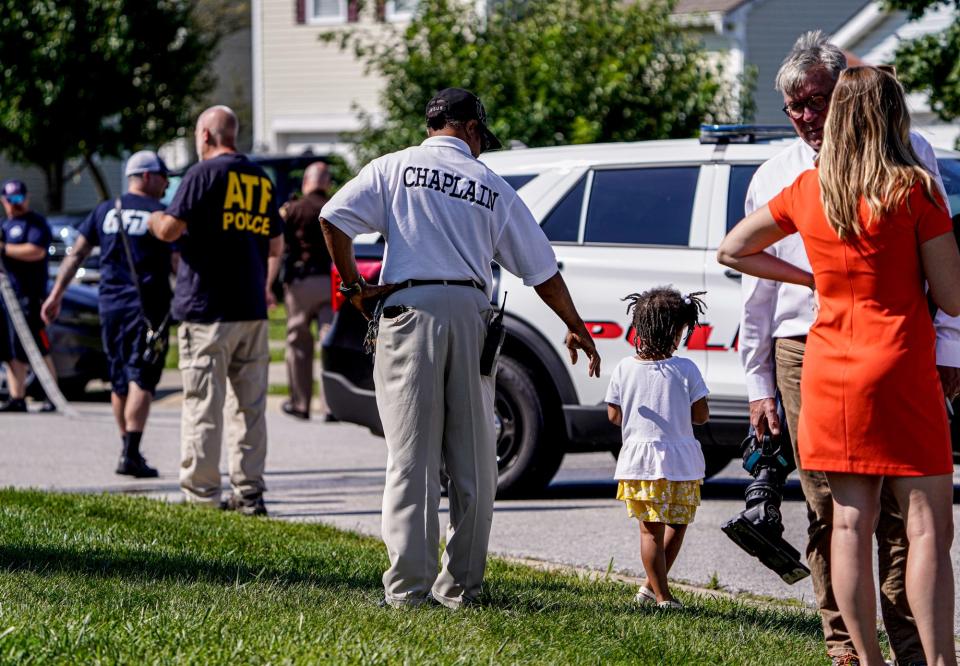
(145,161)
(14,191)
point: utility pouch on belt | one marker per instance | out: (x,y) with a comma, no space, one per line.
(493,342)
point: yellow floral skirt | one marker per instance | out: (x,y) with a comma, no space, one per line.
(661,500)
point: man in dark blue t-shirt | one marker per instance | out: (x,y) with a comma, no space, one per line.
(126,318)
(24,239)
(225,219)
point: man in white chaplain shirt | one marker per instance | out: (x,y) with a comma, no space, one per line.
(776,319)
(445,216)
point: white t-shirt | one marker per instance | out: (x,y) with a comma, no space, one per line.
(444,214)
(655,398)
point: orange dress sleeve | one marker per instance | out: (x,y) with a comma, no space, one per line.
(932,220)
(790,200)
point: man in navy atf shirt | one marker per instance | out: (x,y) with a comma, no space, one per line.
(229,231)
(24,240)
(125,317)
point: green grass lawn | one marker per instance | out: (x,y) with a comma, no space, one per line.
(115,579)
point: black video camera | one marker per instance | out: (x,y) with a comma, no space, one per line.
(758,529)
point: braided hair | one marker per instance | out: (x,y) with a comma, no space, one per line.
(659,314)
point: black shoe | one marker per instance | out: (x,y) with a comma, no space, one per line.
(48,407)
(136,466)
(14,405)
(330,418)
(251,505)
(288,408)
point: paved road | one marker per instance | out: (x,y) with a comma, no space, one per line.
(334,473)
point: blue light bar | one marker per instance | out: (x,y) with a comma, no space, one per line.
(744,133)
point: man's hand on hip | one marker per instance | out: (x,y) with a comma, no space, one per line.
(368,295)
(763,416)
(950,380)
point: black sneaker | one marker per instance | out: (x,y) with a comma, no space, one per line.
(14,405)
(250,505)
(289,409)
(48,407)
(136,466)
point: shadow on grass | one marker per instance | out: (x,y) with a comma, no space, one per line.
(181,567)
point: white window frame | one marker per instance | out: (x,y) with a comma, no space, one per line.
(312,19)
(391,14)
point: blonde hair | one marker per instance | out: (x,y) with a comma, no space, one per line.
(866,150)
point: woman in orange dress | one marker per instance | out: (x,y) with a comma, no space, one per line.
(874,228)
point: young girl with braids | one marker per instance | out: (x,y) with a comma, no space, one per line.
(656,398)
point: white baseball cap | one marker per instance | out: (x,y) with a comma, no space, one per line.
(145,161)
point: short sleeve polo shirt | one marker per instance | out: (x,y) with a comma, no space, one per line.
(444,215)
(29,278)
(230,208)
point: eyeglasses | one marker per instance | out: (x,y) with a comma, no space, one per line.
(815,103)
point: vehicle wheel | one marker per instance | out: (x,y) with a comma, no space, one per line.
(717,458)
(526,458)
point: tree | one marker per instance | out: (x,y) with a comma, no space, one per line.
(549,71)
(931,64)
(80,78)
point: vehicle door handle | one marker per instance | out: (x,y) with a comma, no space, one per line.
(733,275)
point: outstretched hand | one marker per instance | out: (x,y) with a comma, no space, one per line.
(583,341)
(368,295)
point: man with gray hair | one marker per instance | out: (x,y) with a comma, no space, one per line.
(773,330)
(225,217)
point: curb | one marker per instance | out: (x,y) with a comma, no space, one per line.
(593,574)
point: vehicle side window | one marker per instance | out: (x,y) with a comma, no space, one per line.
(740,176)
(562,224)
(642,206)
(516,182)
(950,174)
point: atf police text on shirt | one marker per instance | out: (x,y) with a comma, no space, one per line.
(246,203)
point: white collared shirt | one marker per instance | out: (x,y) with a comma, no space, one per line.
(779,310)
(444,214)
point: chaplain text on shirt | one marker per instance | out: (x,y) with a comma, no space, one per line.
(450,184)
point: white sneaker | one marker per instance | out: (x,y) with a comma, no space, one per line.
(671,603)
(645,596)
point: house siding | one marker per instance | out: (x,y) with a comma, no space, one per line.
(309,88)
(772,28)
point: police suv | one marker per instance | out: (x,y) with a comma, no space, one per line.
(622,218)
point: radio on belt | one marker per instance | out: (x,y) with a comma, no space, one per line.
(493,342)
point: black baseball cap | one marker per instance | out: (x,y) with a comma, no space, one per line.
(460,104)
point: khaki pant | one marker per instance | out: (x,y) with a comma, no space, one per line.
(891,536)
(434,404)
(213,357)
(307,300)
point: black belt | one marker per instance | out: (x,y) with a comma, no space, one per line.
(449,283)
(796,338)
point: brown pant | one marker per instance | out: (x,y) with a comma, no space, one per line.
(223,366)
(891,536)
(307,300)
